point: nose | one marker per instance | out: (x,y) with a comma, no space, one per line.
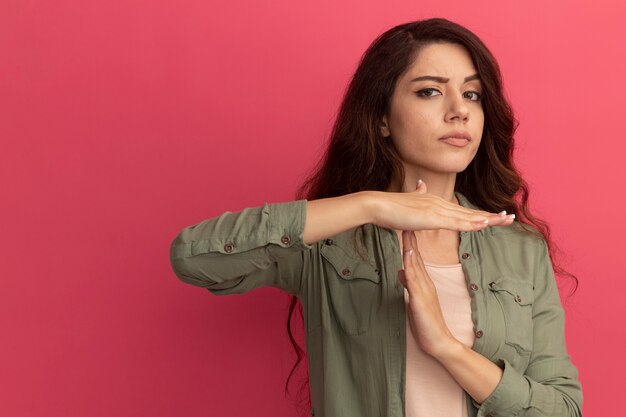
(457,108)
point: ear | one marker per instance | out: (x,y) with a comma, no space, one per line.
(384,127)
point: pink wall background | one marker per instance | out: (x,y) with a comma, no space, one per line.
(123,122)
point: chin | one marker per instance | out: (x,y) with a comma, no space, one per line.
(452,166)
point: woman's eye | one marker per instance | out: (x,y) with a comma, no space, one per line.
(430,92)
(422,93)
(476,94)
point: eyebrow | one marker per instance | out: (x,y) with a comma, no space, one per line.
(443,80)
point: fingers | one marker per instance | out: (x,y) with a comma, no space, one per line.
(410,250)
(407,248)
(502,219)
(465,218)
(402,278)
(414,270)
(416,259)
(421,187)
(409,188)
(407,245)
(454,220)
(493,218)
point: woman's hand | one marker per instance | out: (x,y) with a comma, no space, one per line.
(472,371)
(418,210)
(424,311)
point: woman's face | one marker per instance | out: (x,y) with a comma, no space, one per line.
(425,110)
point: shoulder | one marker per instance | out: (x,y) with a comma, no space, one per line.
(517,228)
(525,234)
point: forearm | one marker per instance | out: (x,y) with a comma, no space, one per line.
(330,216)
(220,251)
(208,253)
(473,372)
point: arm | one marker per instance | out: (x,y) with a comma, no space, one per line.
(266,245)
(271,244)
(331,216)
(549,386)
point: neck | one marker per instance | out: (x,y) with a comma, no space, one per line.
(436,184)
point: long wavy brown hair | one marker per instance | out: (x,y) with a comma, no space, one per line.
(357,158)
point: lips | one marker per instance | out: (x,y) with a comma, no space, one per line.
(460,142)
(457,134)
(456,138)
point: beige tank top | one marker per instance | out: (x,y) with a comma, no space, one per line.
(430,389)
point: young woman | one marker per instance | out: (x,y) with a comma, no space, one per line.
(421,296)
